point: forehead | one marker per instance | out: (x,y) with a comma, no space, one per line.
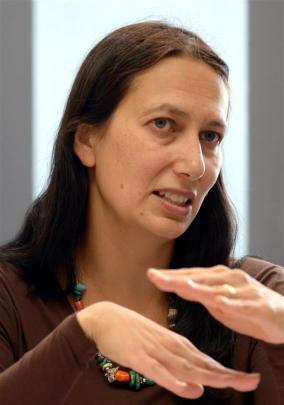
(188,83)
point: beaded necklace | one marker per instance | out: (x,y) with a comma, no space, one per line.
(130,378)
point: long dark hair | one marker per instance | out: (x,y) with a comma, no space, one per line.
(56,220)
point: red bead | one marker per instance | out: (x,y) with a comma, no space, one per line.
(79,305)
(122,375)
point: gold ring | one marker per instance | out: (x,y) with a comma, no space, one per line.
(230,289)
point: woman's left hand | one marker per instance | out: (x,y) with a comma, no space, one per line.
(231,296)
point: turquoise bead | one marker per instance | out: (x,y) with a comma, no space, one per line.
(137,381)
(104,361)
(79,288)
(149,382)
(99,359)
(132,379)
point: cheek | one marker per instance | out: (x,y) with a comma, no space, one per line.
(124,172)
(213,168)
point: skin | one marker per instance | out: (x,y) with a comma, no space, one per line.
(165,133)
(143,157)
(249,308)
(129,157)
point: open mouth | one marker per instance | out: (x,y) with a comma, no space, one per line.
(173,198)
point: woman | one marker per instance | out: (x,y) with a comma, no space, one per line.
(136,184)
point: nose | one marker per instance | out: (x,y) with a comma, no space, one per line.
(189,159)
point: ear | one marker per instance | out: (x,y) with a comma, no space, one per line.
(84,144)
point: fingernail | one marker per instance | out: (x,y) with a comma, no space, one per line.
(255,375)
(159,274)
(181,384)
(254,386)
(152,270)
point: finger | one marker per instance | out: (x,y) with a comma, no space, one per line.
(206,277)
(169,283)
(202,370)
(240,382)
(238,305)
(225,290)
(190,270)
(188,363)
(180,280)
(216,375)
(235,277)
(216,275)
(188,289)
(157,372)
(199,275)
(185,289)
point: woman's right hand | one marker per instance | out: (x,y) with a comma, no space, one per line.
(133,341)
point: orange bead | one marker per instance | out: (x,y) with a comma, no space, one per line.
(79,305)
(122,375)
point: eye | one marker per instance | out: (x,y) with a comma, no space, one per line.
(211,137)
(163,123)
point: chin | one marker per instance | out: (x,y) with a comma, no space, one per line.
(169,229)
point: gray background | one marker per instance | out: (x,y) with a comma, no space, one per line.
(266,104)
(266,174)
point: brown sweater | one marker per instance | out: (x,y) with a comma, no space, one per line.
(46,359)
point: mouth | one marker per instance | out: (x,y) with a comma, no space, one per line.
(181,199)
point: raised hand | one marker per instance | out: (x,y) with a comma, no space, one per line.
(133,341)
(231,296)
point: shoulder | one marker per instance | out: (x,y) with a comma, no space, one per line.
(13,289)
(267,273)
(10,324)
(21,309)
(11,279)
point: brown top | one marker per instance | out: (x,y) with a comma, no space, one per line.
(46,359)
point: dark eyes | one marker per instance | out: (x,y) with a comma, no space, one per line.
(168,125)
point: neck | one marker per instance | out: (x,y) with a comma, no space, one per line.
(114,267)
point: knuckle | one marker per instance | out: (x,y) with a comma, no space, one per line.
(185,346)
(184,341)
(181,391)
(211,365)
(187,367)
(155,365)
(220,267)
(190,391)
(242,276)
(168,340)
(151,349)
(176,341)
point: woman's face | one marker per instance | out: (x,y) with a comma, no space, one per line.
(159,154)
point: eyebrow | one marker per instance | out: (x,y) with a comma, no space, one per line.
(169,108)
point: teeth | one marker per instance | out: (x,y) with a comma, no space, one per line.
(175,198)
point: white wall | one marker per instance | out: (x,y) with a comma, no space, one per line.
(64,31)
